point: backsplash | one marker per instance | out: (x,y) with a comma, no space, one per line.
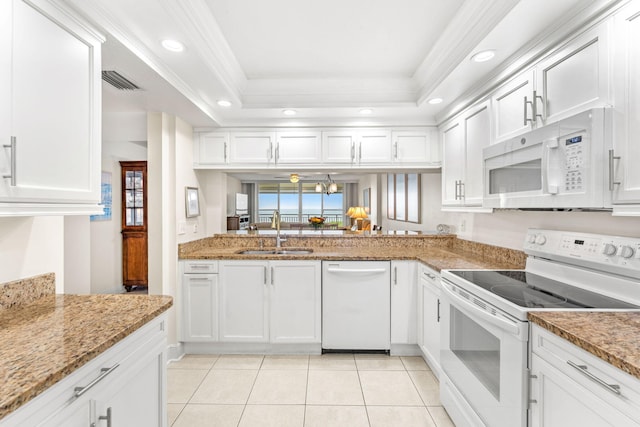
(25,291)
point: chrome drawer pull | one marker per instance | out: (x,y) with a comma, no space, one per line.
(106,417)
(12,173)
(613,388)
(79,391)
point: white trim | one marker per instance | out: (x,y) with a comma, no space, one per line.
(250,348)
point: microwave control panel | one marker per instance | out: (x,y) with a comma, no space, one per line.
(574,147)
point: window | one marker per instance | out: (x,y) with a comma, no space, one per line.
(298,202)
(403,197)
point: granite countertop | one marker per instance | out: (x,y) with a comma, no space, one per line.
(612,336)
(50,337)
(434,257)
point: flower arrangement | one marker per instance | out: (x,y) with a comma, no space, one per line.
(316,221)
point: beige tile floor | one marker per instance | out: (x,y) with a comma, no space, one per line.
(303,391)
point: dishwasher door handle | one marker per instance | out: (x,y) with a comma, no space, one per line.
(356,270)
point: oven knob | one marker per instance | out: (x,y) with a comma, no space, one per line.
(531,238)
(609,249)
(540,239)
(626,252)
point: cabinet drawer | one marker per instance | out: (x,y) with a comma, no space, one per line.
(203,267)
(588,370)
(429,275)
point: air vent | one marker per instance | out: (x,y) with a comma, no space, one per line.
(118,81)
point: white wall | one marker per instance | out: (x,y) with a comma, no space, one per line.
(30,246)
(124,138)
(77,255)
(371,182)
(214,191)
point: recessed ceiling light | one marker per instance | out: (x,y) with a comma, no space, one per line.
(434,101)
(483,56)
(289,112)
(366,111)
(172,45)
(224,103)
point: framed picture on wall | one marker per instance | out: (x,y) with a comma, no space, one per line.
(192,202)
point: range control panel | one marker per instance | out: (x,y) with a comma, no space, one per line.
(597,251)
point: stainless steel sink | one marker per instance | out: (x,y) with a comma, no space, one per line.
(275,251)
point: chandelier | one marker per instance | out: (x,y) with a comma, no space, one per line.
(328,187)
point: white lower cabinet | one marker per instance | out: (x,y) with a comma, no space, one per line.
(572,387)
(268,301)
(429,340)
(123,387)
(403,302)
(199,301)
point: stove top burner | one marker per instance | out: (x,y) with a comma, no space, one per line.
(531,290)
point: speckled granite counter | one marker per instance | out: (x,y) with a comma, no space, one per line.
(50,337)
(612,336)
(436,251)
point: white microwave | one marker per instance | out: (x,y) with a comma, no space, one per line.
(560,165)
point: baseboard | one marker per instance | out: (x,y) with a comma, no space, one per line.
(175,352)
(405,350)
(249,348)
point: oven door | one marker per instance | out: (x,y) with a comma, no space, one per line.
(484,359)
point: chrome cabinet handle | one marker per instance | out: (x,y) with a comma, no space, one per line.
(225,151)
(12,173)
(612,177)
(613,388)
(198,279)
(535,107)
(429,275)
(353,151)
(79,391)
(277,151)
(106,417)
(461,190)
(395,276)
(526,119)
(200,266)
(265,274)
(360,151)
(272,276)
(458,192)
(395,150)
(270,150)
(438,315)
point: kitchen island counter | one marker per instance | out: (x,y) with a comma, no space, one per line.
(612,336)
(46,339)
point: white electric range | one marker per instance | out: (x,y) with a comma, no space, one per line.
(484,328)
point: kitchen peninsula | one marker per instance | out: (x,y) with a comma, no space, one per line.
(66,358)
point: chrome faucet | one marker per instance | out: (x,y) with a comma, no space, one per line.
(275,223)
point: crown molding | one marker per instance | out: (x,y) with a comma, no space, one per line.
(471,24)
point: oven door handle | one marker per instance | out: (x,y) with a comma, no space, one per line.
(471,308)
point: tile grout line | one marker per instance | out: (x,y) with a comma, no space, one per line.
(244,408)
(366,408)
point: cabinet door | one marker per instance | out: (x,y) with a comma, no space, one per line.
(626,144)
(137,396)
(252,148)
(404,305)
(80,413)
(431,320)
(576,77)
(558,401)
(244,301)
(338,146)
(453,161)
(419,146)
(200,307)
(477,130)
(55,109)
(510,113)
(211,148)
(374,146)
(298,148)
(295,301)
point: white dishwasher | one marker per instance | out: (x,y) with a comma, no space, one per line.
(356,305)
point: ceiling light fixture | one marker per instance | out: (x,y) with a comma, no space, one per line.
(224,103)
(172,45)
(289,112)
(366,111)
(294,177)
(483,55)
(434,101)
(328,187)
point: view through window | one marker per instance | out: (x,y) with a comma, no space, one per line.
(298,202)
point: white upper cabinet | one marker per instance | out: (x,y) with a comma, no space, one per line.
(572,79)
(625,182)
(374,146)
(50,112)
(339,147)
(257,148)
(416,146)
(356,146)
(512,110)
(462,142)
(211,148)
(298,147)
